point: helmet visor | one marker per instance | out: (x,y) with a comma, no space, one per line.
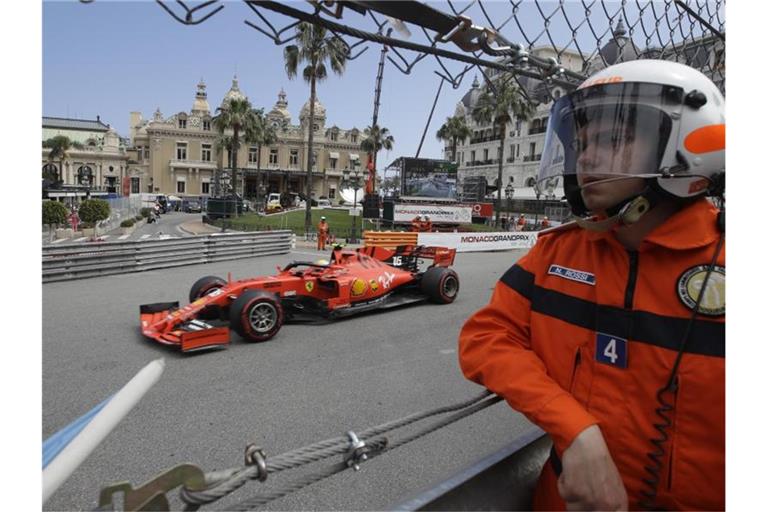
(610,131)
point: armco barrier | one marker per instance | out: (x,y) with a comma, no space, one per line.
(77,261)
(389,239)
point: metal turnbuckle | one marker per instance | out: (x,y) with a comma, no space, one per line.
(255,456)
(152,495)
(356,452)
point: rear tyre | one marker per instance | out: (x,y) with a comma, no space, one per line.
(440,285)
(256,315)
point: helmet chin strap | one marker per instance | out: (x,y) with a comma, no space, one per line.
(626,213)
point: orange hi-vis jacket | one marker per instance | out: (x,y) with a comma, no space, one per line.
(581,331)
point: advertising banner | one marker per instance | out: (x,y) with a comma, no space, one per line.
(480,241)
(482,210)
(437,213)
(427,177)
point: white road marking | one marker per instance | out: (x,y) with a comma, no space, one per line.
(144,237)
(123,237)
(59,240)
(80,239)
(104,237)
(448,351)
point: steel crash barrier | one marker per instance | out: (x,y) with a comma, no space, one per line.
(78,261)
(389,239)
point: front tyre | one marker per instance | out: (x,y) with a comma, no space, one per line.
(440,285)
(256,315)
(204,286)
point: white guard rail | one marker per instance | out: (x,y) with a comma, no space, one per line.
(92,259)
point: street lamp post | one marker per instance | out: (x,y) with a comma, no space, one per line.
(510,191)
(262,190)
(353,179)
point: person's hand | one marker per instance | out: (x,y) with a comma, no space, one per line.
(590,480)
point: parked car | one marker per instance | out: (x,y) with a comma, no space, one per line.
(193,207)
(324,203)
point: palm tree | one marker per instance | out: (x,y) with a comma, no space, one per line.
(60,145)
(224,143)
(238,116)
(314,46)
(454,129)
(375,139)
(494,107)
(262,134)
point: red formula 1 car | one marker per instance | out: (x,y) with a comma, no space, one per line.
(353,281)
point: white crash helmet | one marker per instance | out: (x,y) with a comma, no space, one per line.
(677,108)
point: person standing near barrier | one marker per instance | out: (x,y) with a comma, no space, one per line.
(545,222)
(322,234)
(416,224)
(426,226)
(610,333)
(521,222)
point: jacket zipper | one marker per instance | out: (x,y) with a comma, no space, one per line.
(673,430)
(629,293)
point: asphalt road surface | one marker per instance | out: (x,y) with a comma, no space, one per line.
(309,383)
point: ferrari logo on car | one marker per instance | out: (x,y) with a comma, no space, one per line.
(358,287)
(309,285)
(374,285)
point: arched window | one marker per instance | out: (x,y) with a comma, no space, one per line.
(530,181)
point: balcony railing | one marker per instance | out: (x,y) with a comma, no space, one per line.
(535,131)
(532,158)
(477,163)
(487,138)
(203,164)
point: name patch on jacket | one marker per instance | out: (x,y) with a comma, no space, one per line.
(611,350)
(574,275)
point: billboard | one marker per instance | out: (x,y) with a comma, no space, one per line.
(426,177)
(480,241)
(437,213)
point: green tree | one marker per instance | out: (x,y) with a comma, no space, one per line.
(93,211)
(54,214)
(60,145)
(375,139)
(454,129)
(314,47)
(498,106)
(262,134)
(237,116)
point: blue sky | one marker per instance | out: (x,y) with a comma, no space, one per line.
(109,58)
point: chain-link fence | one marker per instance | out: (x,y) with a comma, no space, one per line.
(544,43)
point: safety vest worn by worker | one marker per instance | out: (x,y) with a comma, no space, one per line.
(581,331)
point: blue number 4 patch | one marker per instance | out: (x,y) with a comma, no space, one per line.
(611,350)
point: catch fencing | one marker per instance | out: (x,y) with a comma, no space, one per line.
(78,261)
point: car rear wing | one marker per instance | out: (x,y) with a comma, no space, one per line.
(441,256)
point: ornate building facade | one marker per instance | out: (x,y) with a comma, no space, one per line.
(179,155)
(96,164)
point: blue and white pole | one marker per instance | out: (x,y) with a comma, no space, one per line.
(65,450)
